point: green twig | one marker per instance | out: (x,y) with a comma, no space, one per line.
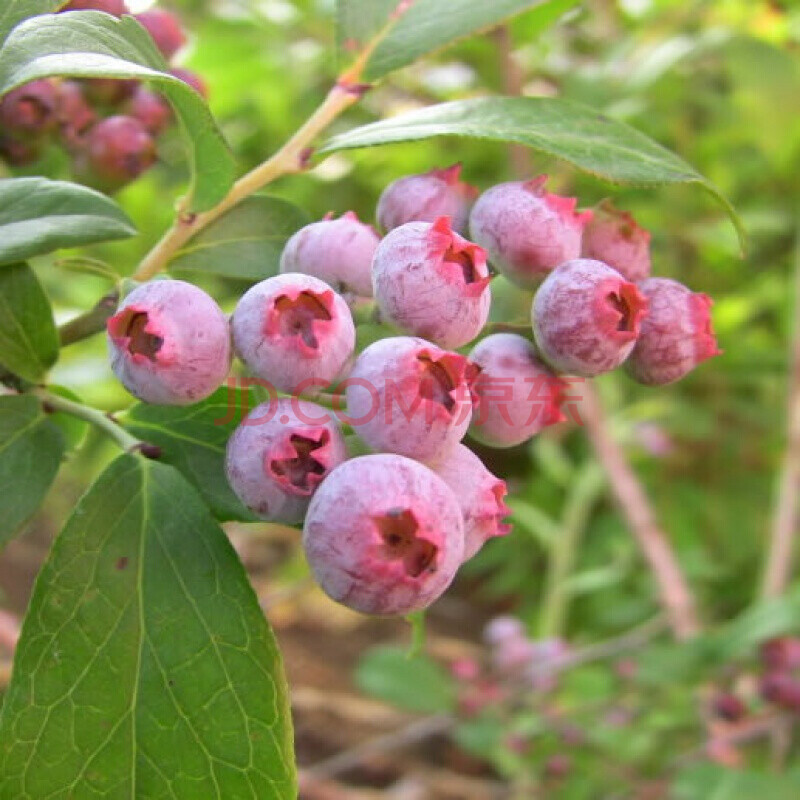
(584,494)
(91,322)
(100,420)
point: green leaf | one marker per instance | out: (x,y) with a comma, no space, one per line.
(38,216)
(145,668)
(413,683)
(715,782)
(193,439)
(246,242)
(31,447)
(14,11)
(28,336)
(90,44)
(423,26)
(575,133)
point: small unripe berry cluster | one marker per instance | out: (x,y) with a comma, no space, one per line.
(386,532)
(108,127)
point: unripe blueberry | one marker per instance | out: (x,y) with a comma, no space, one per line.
(676,335)
(295,332)
(118,150)
(480,495)
(781,653)
(425,198)
(337,251)
(729,707)
(782,689)
(114,7)
(516,395)
(526,231)
(280,454)
(407,396)
(431,282)
(169,343)
(75,115)
(151,109)
(30,110)
(165,29)
(384,535)
(613,237)
(191,79)
(586,318)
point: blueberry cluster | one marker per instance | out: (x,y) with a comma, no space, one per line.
(386,532)
(108,127)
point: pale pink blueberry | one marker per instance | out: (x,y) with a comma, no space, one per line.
(384,535)
(408,396)
(676,335)
(526,231)
(165,29)
(30,110)
(280,454)
(169,343)
(433,283)
(75,115)
(480,495)
(425,198)
(516,395)
(586,318)
(151,109)
(337,251)
(295,332)
(613,237)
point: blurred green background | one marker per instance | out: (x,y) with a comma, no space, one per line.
(718,82)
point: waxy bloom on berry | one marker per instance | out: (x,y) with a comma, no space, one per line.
(586,318)
(169,343)
(433,283)
(407,396)
(295,332)
(480,495)
(676,335)
(384,535)
(337,251)
(280,454)
(526,231)
(425,198)
(516,395)
(613,237)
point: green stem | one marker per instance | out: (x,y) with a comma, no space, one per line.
(584,494)
(93,416)
(91,322)
(522,328)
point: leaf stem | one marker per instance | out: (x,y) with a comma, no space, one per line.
(291,158)
(99,419)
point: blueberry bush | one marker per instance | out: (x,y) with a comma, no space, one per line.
(389,379)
